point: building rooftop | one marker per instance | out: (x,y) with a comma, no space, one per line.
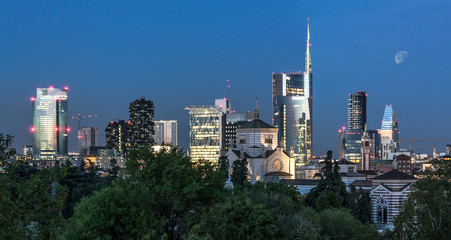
(278,174)
(300,181)
(395,174)
(256,123)
(344,161)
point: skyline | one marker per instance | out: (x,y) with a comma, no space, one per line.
(113,62)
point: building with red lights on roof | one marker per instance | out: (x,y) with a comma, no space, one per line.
(50,129)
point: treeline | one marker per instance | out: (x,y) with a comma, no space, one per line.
(164,195)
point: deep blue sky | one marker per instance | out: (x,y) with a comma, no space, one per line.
(178,53)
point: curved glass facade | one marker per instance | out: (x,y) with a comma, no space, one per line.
(292,113)
(50,123)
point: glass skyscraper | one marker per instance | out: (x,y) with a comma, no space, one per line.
(390,128)
(50,123)
(292,109)
(205,132)
(357,110)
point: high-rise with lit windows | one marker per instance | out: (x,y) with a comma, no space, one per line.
(292,96)
(205,132)
(50,127)
(357,110)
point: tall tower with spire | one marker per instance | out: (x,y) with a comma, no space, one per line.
(292,96)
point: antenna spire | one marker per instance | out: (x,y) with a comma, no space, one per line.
(228,103)
(308,60)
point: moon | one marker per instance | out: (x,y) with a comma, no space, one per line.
(400,56)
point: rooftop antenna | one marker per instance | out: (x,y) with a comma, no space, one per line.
(229,105)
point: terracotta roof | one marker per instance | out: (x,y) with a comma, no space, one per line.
(256,123)
(279,174)
(395,174)
(300,181)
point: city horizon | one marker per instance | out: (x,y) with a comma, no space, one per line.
(96,91)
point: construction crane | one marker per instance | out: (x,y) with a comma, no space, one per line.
(421,140)
(79,117)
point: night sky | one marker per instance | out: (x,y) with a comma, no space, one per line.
(176,53)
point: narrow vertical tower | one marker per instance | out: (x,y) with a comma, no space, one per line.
(292,97)
(308,60)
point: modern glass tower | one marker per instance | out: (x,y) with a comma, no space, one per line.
(292,109)
(50,123)
(205,132)
(357,110)
(390,128)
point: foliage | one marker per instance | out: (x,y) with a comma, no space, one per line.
(236,218)
(80,183)
(223,166)
(31,201)
(164,187)
(116,212)
(240,172)
(5,144)
(425,214)
(331,191)
(340,224)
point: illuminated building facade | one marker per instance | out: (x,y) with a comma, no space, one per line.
(50,127)
(352,144)
(292,110)
(116,134)
(389,132)
(357,110)
(205,132)
(166,132)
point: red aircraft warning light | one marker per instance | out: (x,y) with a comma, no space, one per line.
(57,129)
(33,129)
(32,99)
(66,88)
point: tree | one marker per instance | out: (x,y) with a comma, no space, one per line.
(165,187)
(31,202)
(223,166)
(239,172)
(236,218)
(5,145)
(331,190)
(117,212)
(425,213)
(340,224)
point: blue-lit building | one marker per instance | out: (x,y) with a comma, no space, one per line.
(389,132)
(50,126)
(292,110)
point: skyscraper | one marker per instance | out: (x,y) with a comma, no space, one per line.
(357,110)
(205,132)
(141,123)
(292,109)
(50,123)
(389,132)
(166,132)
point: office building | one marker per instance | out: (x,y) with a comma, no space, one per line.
(165,132)
(88,137)
(389,132)
(352,145)
(205,132)
(357,110)
(141,124)
(50,128)
(292,109)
